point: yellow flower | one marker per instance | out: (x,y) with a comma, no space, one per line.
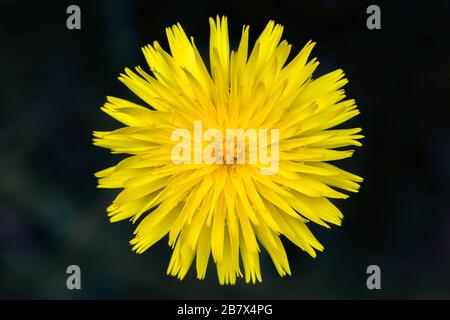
(224,209)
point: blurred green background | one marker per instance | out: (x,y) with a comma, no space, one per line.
(53,82)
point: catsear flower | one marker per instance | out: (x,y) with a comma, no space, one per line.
(226,209)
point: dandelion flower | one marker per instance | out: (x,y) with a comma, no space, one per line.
(229,211)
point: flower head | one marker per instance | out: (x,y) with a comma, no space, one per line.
(229,195)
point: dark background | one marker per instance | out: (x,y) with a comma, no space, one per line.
(53,82)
